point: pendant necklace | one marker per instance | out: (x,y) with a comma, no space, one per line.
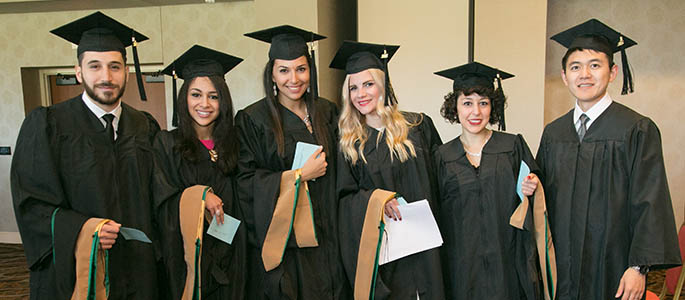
(213,155)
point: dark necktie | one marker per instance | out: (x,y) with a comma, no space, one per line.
(109,127)
(583,126)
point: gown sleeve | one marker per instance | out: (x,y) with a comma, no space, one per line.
(167,195)
(259,187)
(49,228)
(654,240)
(527,255)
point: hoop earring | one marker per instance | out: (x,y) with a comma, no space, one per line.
(275,90)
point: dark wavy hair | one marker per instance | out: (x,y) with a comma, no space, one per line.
(224,133)
(319,127)
(497,103)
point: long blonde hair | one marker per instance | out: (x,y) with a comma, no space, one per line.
(353,130)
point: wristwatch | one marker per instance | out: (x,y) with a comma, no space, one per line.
(642,269)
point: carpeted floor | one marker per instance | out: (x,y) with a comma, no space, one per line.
(14,275)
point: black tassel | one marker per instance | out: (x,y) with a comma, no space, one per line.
(502,125)
(313,81)
(174,118)
(384,58)
(627,75)
(139,76)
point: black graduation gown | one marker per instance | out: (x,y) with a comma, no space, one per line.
(223,266)
(304,273)
(608,201)
(485,257)
(415,180)
(64,160)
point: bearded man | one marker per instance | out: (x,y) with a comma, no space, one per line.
(82,172)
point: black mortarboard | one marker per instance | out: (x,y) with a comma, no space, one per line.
(195,62)
(354,57)
(597,36)
(288,43)
(100,33)
(476,74)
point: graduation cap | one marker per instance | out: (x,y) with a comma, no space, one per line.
(354,57)
(100,33)
(288,43)
(597,36)
(477,74)
(195,62)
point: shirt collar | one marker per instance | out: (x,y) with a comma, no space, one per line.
(595,111)
(99,112)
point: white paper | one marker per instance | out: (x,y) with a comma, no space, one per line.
(417,232)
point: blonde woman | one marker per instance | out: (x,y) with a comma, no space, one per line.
(383,153)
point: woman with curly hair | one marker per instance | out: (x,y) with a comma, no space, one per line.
(201,152)
(384,154)
(486,257)
(290,213)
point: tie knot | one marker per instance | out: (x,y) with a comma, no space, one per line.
(109,118)
(583,119)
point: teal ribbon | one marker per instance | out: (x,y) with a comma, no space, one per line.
(549,268)
(93,267)
(292,220)
(381,228)
(196,288)
(198,246)
(52,229)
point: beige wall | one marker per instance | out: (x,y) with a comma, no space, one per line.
(172,30)
(657,63)
(339,20)
(510,35)
(433,36)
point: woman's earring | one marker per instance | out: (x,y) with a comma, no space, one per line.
(309,89)
(275,90)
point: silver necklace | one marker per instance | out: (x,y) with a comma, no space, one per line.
(481,148)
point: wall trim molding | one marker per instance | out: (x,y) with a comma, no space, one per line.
(10,237)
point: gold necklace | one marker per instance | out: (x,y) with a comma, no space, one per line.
(213,155)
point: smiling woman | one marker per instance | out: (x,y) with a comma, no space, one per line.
(477,172)
(383,151)
(270,131)
(201,151)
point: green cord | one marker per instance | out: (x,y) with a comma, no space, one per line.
(52,228)
(196,287)
(92,272)
(381,229)
(549,268)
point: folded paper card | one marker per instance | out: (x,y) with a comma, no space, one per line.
(134,234)
(302,152)
(225,232)
(523,172)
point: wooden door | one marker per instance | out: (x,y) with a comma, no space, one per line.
(155,104)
